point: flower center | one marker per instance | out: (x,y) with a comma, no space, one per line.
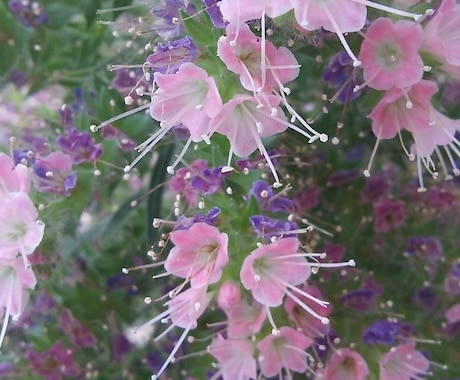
(389,55)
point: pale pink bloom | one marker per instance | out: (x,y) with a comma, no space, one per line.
(183,311)
(346,364)
(15,281)
(229,294)
(241,51)
(305,321)
(442,34)
(390,54)
(198,255)
(244,319)
(13,177)
(403,362)
(399,109)
(271,270)
(240,11)
(235,357)
(188,97)
(283,350)
(20,231)
(245,120)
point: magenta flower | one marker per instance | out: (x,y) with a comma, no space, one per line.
(54,174)
(346,364)
(77,332)
(20,231)
(235,357)
(442,35)
(388,215)
(199,254)
(15,280)
(390,54)
(13,177)
(272,270)
(403,362)
(54,364)
(283,350)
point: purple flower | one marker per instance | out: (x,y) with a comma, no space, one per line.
(209,218)
(125,143)
(428,248)
(308,198)
(54,174)
(363,299)
(164,14)
(268,200)
(267,227)
(120,347)
(388,215)
(376,187)
(452,280)
(342,177)
(343,77)
(425,297)
(208,181)
(29,13)
(80,146)
(383,332)
(167,58)
(55,363)
(215,14)
(75,330)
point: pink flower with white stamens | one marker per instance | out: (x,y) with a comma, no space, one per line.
(271,270)
(188,97)
(345,364)
(403,362)
(390,54)
(199,254)
(442,34)
(245,319)
(241,52)
(20,231)
(235,357)
(283,350)
(15,281)
(240,11)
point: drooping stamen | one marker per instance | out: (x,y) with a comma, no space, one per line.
(385,8)
(93,128)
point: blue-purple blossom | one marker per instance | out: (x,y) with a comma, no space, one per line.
(214,13)
(80,146)
(343,77)
(270,201)
(164,15)
(125,143)
(54,174)
(383,332)
(29,13)
(267,227)
(209,218)
(208,181)
(428,248)
(167,58)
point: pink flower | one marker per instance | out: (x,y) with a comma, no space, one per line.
(346,364)
(271,270)
(388,215)
(305,321)
(13,177)
(244,319)
(188,97)
(241,51)
(442,34)
(453,313)
(390,54)
(284,350)
(15,280)
(229,294)
(240,11)
(20,231)
(235,357)
(199,254)
(403,362)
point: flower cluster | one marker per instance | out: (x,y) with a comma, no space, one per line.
(229,162)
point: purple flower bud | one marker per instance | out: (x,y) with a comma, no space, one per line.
(343,177)
(388,215)
(383,332)
(270,201)
(343,77)
(267,227)
(428,248)
(80,146)
(209,218)
(376,187)
(78,333)
(167,58)
(208,181)
(29,13)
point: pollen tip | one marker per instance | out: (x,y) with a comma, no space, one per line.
(421,189)
(352,263)
(170,170)
(127,169)
(356,63)
(226,169)
(367,173)
(93,128)
(323,137)
(277,185)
